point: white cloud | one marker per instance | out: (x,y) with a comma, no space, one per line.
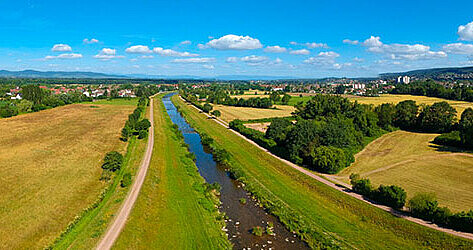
(61,48)
(138,49)
(299,52)
(107,53)
(202,46)
(277,61)
(234,42)
(275,49)
(232,59)
(397,51)
(465,32)
(170,52)
(87,41)
(195,60)
(323,58)
(353,42)
(147,56)
(316,45)
(207,66)
(357,59)
(186,42)
(459,48)
(64,56)
(254,59)
(293,43)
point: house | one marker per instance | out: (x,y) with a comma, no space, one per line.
(17,97)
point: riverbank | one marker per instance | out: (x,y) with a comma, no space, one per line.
(323,215)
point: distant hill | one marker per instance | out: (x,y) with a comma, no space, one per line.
(54,74)
(457,73)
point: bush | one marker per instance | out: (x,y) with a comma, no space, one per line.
(329,160)
(142,134)
(252,134)
(462,221)
(392,196)
(258,231)
(423,206)
(216,113)
(207,107)
(126,180)
(361,186)
(143,125)
(449,139)
(112,161)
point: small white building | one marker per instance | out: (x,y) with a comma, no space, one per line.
(358,86)
(17,97)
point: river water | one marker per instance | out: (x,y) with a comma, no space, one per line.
(241,217)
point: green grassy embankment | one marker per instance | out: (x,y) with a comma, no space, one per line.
(322,216)
(173,211)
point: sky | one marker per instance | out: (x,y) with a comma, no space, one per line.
(308,39)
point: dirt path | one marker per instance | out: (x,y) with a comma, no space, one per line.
(119,222)
(343,187)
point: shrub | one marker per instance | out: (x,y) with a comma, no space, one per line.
(142,134)
(423,206)
(449,139)
(112,161)
(329,160)
(258,231)
(462,221)
(126,180)
(361,186)
(143,125)
(392,196)
(216,113)
(207,108)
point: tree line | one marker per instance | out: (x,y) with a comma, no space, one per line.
(432,89)
(422,205)
(135,125)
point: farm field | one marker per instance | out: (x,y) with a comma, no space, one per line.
(170,211)
(409,160)
(57,175)
(458,105)
(262,127)
(326,213)
(230,113)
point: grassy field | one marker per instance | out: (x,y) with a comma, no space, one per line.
(118,101)
(50,168)
(458,105)
(347,221)
(262,127)
(230,113)
(170,213)
(409,160)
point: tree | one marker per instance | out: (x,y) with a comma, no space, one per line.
(406,114)
(33,93)
(386,113)
(423,205)
(278,130)
(8,110)
(392,196)
(361,186)
(274,97)
(114,93)
(207,108)
(216,113)
(126,132)
(466,127)
(143,125)
(285,99)
(329,160)
(438,117)
(25,106)
(112,161)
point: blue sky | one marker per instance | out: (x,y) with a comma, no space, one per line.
(210,38)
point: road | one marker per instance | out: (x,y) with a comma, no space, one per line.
(119,222)
(343,187)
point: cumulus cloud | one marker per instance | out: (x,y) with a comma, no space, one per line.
(299,52)
(254,59)
(459,48)
(353,42)
(397,51)
(232,59)
(194,60)
(61,48)
(275,49)
(465,32)
(234,42)
(311,45)
(186,42)
(65,56)
(92,40)
(173,53)
(147,56)
(138,49)
(207,66)
(323,59)
(107,53)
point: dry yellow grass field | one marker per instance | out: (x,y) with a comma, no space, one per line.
(262,127)
(230,113)
(409,160)
(458,105)
(50,168)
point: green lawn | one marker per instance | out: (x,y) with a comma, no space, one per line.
(343,220)
(171,211)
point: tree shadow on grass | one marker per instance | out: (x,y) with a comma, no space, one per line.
(450,149)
